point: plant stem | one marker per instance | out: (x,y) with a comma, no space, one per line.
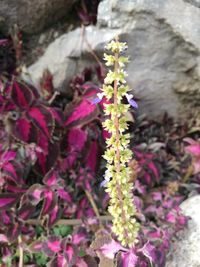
(94,206)
(73,222)
(21,252)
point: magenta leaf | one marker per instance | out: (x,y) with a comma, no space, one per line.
(10,172)
(63,194)
(149,251)
(110,249)
(35,193)
(51,178)
(8,156)
(13,231)
(92,156)
(127,259)
(83,113)
(21,95)
(76,139)
(42,118)
(26,211)
(154,170)
(52,246)
(70,253)
(58,261)
(49,155)
(8,200)
(6,217)
(22,129)
(54,215)
(193,148)
(49,201)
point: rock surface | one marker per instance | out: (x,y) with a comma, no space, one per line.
(185,252)
(164,47)
(69,53)
(32,16)
(194,2)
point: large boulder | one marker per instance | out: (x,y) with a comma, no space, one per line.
(164,48)
(32,16)
(69,54)
(185,251)
(194,2)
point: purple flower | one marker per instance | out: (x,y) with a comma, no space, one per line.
(97,99)
(107,177)
(131,101)
(103,183)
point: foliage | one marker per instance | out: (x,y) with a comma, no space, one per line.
(49,153)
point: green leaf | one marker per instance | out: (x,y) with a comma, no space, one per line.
(82,253)
(38,230)
(41,259)
(62,230)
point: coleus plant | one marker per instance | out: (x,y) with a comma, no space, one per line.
(45,152)
(49,153)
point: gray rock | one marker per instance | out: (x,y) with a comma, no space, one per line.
(185,251)
(194,2)
(164,47)
(164,44)
(69,53)
(33,15)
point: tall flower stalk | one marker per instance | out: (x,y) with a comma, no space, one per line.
(118,155)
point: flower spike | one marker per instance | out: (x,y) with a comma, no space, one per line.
(117,176)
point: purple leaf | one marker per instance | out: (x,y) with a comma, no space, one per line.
(92,156)
(26,211)
(63,194)
(21,95)
(154,170)
(13,231)
(51,178)
(193,148)
(110,249)
(76,139)
(22,129)
(170,217)
(52,246)
(48,157)
(82,114)
(58,261)
(148,250)
(127,259)
(54,215)
(49,201)
(42,118)
(35,193)
(8,156)
(8,200)
(6,217)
